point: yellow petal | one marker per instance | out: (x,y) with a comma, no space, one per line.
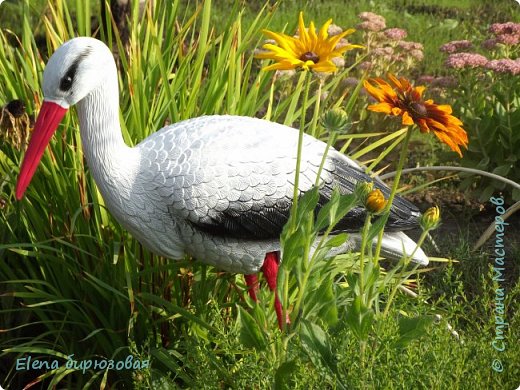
(277,50)
(304,37)
(312,36)
(347,48)
(324,67)
(264,55)
(283,65)
(323,34)
(283,41)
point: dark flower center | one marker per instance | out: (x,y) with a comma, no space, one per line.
(310,56)
(419,109)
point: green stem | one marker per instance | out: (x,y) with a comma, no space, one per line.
(308,81)
(315,114)
(306,275)
(299,151)
(404,276)
(364,236)
(456,169)
(400,165)
(308,264)
(331,139)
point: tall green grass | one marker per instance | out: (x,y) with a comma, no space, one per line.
(72,282)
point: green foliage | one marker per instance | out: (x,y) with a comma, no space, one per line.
(489,105)
(72,282)
(411,329)
(492,120)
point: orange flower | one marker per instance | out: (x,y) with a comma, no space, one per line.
(400,98)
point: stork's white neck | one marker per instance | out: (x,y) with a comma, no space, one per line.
(110,160)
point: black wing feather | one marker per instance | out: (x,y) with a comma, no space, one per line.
(260,222)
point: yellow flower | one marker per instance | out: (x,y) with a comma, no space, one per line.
(309,51)
(399,98)
(375,201)
(430,219)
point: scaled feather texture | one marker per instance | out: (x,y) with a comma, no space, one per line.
(219,188)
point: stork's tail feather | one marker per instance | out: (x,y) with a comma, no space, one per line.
(397,244)
(394,246)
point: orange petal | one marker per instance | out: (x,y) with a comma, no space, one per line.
(384,93)
(407,119)
(418,91)
(423,125)
(396,111)
(445,108)
(375,92)
(444,138)
(381,107)
(395,81)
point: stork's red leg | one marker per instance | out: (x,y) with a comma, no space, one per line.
(270,270)
(252,285)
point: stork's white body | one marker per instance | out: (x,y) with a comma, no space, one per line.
(192,170)
(182,188)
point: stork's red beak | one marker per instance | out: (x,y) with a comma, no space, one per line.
(48,120)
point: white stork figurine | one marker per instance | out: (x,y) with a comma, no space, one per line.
(216,187)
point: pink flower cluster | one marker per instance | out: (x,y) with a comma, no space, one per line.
(473,60)
(371,22)
(490,44)
(383,51)
(504,65)
(504,28)
(395,34)
(503,33)
(408,46)
(455,46)
(506,33)
(417,54)
(465,60)
(386,46)
(440,81)
(334,29)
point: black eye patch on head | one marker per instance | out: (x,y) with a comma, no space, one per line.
(67,80)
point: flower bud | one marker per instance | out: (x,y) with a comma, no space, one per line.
(336,120)
(375,201)
(430,219)
(362,190)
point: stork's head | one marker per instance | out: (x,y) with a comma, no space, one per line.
(77,68)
